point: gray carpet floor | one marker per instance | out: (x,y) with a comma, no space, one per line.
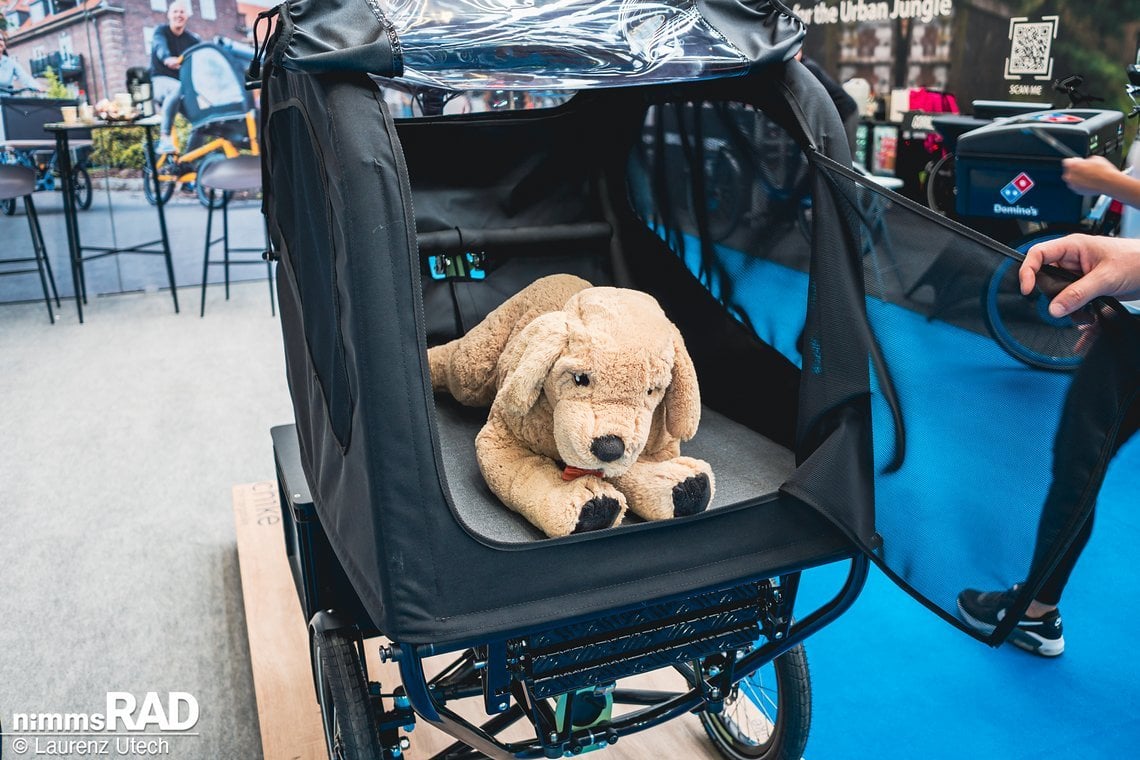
(120,441)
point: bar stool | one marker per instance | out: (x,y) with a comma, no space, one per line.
(228,176)
(20,182)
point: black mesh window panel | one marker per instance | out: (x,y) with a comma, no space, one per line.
(983,409)
(303,217)
(728,190)
(992,422)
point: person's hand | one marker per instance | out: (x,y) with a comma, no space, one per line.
(1108,267)
(172,62)
(1090,176)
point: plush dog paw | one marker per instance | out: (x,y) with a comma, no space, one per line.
(598,513)
(691,496)
(674,488)
(583,504)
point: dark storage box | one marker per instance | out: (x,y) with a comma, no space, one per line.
(318,575)
(24,118)
(1012,168)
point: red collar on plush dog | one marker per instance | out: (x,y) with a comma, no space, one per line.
(570,473)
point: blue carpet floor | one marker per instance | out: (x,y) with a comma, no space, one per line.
(890,679)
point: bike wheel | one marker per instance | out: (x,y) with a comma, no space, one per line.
(346,709)
(723,195)
(941,187)
(81,186)
(202,192)
(768,714)
(8,207)
(1022,325)
(166,187)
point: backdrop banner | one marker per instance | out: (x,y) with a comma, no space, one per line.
(977,49)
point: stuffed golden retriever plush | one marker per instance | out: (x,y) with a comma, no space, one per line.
(591,392)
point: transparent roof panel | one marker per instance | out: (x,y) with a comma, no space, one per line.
(557,44)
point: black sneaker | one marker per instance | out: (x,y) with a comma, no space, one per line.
(983,610)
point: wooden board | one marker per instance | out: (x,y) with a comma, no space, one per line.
(278,637)
(282,676)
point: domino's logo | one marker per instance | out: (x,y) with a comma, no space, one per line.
(1017,187)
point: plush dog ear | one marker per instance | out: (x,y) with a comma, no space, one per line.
(527,361)
(683,396)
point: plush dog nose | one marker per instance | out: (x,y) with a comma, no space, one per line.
(608,448)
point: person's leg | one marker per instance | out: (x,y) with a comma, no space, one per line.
(161,87)
(851,127)
(1050,594)
(1071,469)
(1100,413)
(170,110)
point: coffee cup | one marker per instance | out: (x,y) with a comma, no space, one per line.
(70,114)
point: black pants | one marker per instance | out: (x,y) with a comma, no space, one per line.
(1101,412)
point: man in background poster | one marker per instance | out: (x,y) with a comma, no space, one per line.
(170,42)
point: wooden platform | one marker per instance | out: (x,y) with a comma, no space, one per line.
(279,655)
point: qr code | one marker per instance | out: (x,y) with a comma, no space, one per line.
(1030,51)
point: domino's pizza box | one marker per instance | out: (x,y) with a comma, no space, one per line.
(1012,167)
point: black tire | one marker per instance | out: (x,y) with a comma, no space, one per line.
(804,220)
(723,200)
(942,187)
(1022,325)
(81,183)
(204,193)
(780,163)
(165,188)
(8,207)
(346,708)
(768,715)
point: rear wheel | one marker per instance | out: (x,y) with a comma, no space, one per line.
(203,192)
(81,185)
(346,708)
(1023,326)
(165,187)
(768,714)
(941,187)
(723,186)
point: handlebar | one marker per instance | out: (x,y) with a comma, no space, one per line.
(1070,86)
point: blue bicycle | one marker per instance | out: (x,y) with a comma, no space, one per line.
(46,166)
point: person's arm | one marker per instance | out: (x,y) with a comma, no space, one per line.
(1108,267)
(159,44)
(161,47)
(22,79)
(1098,176)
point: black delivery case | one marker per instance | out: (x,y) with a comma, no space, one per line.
(24,118)
(1012,167)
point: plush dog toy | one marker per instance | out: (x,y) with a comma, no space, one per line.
(591,392)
